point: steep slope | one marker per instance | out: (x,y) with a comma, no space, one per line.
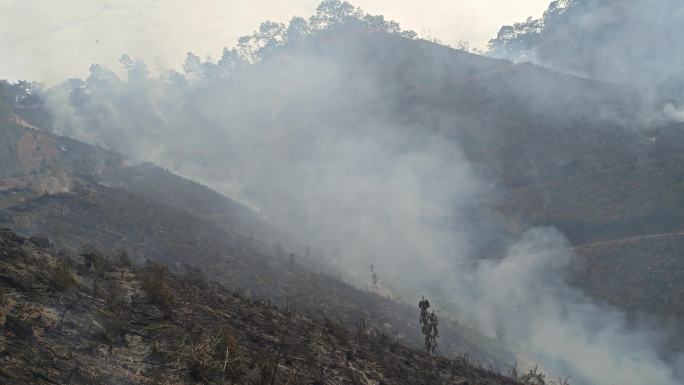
(154,183)
(113,219)
(155,215)
(87,320)
(34,160)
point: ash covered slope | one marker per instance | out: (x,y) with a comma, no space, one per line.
(34,162)
(88,320)
(114,219)
(153,214)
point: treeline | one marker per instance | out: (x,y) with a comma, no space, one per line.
(332,16)
(19,94)
(634,42)
(120,112)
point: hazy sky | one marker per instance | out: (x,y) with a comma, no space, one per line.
(49,40)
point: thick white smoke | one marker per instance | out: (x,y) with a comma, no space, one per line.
(310,140)
(526,299)
(673,113)
(632,42)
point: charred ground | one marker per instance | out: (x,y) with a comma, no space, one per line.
(92,319)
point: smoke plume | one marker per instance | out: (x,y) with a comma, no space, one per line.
(301,123)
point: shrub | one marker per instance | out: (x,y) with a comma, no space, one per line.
(3,300)
(111,333)
(156,349)
(268,370)
(124,259)
(116,296)
(533,377)
(215,355)
(154,285)
(95,260)
(62,277)
(227,351)
(337,329)
(200,363)
(195,275)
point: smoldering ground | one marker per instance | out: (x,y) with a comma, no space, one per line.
(313,136)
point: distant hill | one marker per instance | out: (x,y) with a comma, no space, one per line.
(562,150)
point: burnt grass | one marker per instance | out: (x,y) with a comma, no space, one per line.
(112,219)
(89,318)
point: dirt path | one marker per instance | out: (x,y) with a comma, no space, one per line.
(445,265)
(627,240)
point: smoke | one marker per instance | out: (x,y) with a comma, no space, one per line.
(633,42)
(313,137)
(525,297)
(673,113)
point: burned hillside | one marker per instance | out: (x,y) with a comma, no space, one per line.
(89,318)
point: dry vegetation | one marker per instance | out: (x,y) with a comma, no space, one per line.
(113,219)
(113,326)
